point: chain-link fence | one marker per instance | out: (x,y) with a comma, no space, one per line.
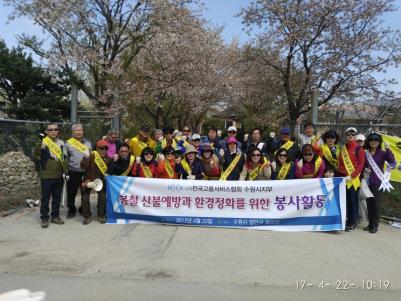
(21,135)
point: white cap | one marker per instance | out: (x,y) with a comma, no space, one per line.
(360,137)
(196,136)
(352,129)
(232,129)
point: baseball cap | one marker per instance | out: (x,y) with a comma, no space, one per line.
(232,129)
(351,129)
(196,136)
(285,131)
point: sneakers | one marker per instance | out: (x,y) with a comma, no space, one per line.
(44,223)
(86,221)
(102,220)
(350,228)
(57,220)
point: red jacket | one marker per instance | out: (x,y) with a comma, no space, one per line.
(162,172)
(137,170)
(357,156)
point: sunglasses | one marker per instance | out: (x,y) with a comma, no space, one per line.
(256,155)
(351,134)
(103,148)
(196,140)
(186,131)
(232,132)
(282,155)
(148,154)
(52,130)
(308,154)
(170,154)
(373,139)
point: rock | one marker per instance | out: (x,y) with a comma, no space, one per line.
(18,180)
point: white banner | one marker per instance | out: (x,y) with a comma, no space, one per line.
(287,205)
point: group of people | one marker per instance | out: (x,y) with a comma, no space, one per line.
(173,154)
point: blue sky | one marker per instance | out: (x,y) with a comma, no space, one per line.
(218,12)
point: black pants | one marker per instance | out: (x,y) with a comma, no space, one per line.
(101,202)
(373,205)
(50,188)
(352,205)
(72,188)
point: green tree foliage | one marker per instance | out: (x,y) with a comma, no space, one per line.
(29,91)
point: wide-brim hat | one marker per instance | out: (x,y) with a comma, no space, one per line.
(190,149)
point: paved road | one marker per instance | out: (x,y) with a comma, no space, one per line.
(157,262)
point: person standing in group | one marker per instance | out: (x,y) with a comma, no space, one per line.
(196,142)
(330,150)
(282,168)
(254,139)
(378,180)
(285,141)
(233,160)
(168,140)
(186,133)
(95,167)
(350,165)
(191,167)
(210,162)
(122,163)
(231,133)
(77,148)
(256,167)
(360,138)
(309,137)
(141,141)
(53,164)
(112,142)
(145,165)
(310,165)
(212,137)
(166,164)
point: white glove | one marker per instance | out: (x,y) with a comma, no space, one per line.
(138,160)
(246,137)
(274,165)
(161,157)
(184,138)
(66,177)
(86,153)
(348,178)
(191,177)
(300,164)
(115,157)
(299,120)
(160,138)
(221,152)
(386,145)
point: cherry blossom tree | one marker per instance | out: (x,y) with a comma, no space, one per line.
(331,46)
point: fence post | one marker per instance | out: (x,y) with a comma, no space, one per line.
(315,101)
(74,104)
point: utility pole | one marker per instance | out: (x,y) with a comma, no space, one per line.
(74,103)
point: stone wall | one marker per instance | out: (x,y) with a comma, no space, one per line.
(18,180)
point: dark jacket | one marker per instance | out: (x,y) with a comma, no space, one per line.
(290,175)
(196,169)
(260,145)
(50,166)
(116,168)
(228,158)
